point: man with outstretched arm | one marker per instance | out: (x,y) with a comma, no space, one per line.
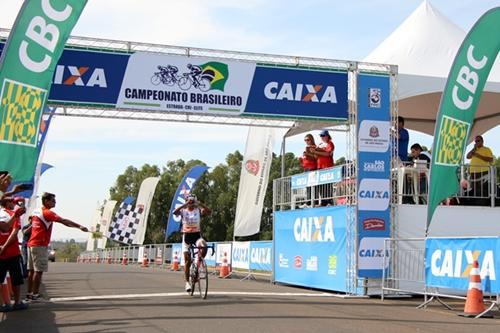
(41,231)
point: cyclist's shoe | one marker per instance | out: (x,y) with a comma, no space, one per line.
(188,287)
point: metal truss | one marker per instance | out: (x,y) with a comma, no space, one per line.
(118,46)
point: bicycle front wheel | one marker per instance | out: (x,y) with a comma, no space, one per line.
(203,280)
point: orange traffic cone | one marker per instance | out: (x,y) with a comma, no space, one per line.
(175,263)
(145,260)
(124,259)
(224,268)
(474,304)
(5,292)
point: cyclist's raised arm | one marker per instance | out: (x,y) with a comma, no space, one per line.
(205,209)
(177,211)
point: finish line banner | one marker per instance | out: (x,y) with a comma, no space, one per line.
(449,262)
(165,83)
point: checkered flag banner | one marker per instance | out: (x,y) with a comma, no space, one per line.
(123,227)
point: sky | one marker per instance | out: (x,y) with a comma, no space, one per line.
(89,154)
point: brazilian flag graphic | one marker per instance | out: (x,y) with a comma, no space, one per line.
(215,72)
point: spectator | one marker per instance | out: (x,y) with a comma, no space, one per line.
(324,151)
(481,158)
(10,255)
(308,159)
(26,230)
(5,181)
(41,232)
(403,140)
(418,154)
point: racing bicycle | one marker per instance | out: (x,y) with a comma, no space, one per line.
(198,273)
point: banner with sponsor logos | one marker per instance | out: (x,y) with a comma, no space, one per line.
(177,252)
(223,251)
(254,179)
(310,247)
(252,255)
(459,102)
(148,81)
(317,177)
(449,261)
(374,122)
(26,66)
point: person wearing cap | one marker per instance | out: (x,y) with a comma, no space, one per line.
(191,212)
(324,151)
(41,231)
(10,255)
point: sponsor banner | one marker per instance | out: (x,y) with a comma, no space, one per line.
(317,177)
(177,251)
(260,256)
(144,198)
(253,180)
(457,109)
(105,221)
(371,256)
(86,77)
(449,262)
(374,172)
(185,84)
(241,255)
(223,250)
(183,190)
(299,93)
(210,257)
(310,247)
(27,64)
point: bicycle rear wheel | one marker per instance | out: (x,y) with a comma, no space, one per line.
(203,279)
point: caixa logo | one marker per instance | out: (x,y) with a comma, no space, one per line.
(314,229)
(300,92)
(374,194)
(83,76)
(458,263)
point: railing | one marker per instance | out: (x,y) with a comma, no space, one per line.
(476,188)
(326,187)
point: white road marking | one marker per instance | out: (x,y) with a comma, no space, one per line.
(226,293)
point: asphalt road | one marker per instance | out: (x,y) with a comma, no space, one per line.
(114,298)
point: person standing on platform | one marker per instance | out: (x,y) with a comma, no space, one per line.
(480,158)
(308,159)
(403,140)
(324,156)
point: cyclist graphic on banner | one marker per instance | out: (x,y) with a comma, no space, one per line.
(194,78)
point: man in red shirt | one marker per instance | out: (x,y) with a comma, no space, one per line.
(10,254)
(41,231)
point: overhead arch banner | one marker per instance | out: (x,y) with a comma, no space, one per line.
(459,103)
(196,85)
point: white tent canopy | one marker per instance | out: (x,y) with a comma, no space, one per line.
(424,47)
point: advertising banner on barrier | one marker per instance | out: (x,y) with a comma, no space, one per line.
(260,256)
(177,252)
(223,250)
(374,158)
(211,257)
(241,255)
(159,82)
(449,261)
(310,247)
(317,177)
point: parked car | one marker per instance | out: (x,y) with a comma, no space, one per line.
(52,255)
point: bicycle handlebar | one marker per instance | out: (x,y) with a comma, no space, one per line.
(192,247)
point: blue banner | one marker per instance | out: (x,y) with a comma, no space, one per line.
(317,177)
(299,93)
(260,256)
(374,157)
(87,77)
(310,247)
(185,187)
(449,261)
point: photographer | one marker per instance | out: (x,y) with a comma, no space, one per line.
(481,158)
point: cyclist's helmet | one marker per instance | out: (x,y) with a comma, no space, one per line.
(189,66)
(159,67)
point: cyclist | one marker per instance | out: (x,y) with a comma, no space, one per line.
(168,71)
(191,213)
(195,72)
